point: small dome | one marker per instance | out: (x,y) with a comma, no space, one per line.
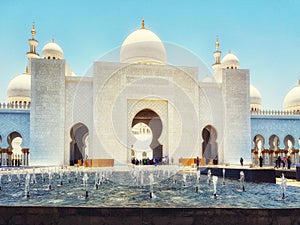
(255,98)
(52,51)
(292,99)
(143,46)
(230,61)
(18,89)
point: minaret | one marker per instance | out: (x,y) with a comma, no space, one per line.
(32,44)
(217,56)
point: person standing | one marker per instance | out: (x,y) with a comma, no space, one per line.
(242,161)
(278,161)
(197,161)
(260,161)
(283,162)
(289,162)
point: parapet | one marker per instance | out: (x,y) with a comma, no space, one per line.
(275,113)
(14,106)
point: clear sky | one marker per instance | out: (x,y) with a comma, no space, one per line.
(264,34)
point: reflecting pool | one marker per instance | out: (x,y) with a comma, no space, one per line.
(139,186)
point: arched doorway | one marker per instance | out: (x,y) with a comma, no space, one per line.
(78,146)
(153,121)
(274,142)
(259,143)
(14,153)
(209,144)
(289,143)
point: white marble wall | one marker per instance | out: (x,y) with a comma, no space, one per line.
(79,109)
(115,84)
(212,112)
(47,116)
(106,102)
(237,132)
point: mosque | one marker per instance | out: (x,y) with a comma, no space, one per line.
(141,107)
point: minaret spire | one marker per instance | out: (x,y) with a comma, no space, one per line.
(217,55)
(32,46)
(217,43)
(33,32)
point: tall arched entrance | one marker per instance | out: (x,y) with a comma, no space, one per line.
(153,121)
(78,146)
(209,144)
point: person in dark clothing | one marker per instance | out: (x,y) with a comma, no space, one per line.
(242,161)
(278,161)
(289,162)
(260,161)
(197,161)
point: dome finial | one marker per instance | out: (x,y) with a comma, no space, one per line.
(217,43)
(33,32)
(143,24)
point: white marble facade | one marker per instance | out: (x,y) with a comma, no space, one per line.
(74,117)
(62,117)
(107,102)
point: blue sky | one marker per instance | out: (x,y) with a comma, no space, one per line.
(264,34)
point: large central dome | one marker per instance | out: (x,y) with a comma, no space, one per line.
(144,47)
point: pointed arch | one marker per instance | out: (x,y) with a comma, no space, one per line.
(209,144)
(274,142)
(78,145)
(153,121)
